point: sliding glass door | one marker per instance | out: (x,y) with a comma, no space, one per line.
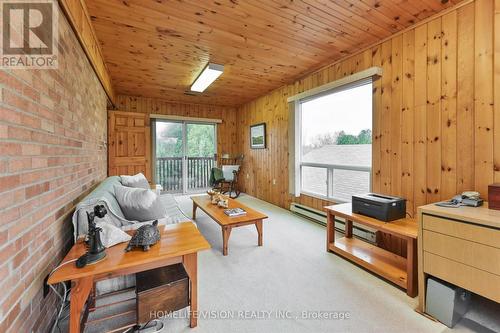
(185,153)
(200,155)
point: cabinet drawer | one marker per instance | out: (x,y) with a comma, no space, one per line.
(472,232)
(472,254)
(467,277)
(160,291)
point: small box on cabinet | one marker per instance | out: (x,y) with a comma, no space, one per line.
(494,196)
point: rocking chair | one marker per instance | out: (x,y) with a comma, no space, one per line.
(225,178)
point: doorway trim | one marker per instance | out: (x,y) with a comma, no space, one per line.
(183,118)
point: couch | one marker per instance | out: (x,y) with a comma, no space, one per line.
(104,194)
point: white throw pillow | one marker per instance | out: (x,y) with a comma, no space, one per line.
(139,204)
(228,171)
(112,235)
(136,181)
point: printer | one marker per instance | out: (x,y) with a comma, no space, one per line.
(379,206)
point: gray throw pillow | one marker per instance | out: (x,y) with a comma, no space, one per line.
(139,204)
(137,181)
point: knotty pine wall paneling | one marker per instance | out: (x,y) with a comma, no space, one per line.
(496,85)
(407,116)
(436,122)
(449,105)
(418,188)
(465,98)
(483,93)
(433,110)
(226,131)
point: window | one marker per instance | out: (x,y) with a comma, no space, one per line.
(335,133)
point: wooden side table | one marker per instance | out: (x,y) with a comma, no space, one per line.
(179,243)
(399,270)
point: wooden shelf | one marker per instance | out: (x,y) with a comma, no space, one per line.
(392,267)
(403,228)
(384,263)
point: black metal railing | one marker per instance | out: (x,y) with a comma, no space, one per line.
(169,172)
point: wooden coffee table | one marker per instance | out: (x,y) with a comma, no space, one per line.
(227,223)
(179,243)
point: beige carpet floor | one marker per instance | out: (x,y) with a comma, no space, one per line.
(292,275)
(292,272)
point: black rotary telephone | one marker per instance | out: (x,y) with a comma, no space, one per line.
(468,198)
(95,249)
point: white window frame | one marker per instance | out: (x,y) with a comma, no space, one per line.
(351,82)
(330,168)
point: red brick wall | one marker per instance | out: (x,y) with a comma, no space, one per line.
(52,152)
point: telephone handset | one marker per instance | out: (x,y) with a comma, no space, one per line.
(469,198)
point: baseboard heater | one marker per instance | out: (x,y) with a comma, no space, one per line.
(318,216)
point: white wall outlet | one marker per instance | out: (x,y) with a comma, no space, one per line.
(248,176)
(274,181)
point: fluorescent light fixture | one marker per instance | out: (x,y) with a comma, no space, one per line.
(209,74)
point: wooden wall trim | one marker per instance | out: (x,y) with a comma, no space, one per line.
(342,83)
(79,19)
(185,118)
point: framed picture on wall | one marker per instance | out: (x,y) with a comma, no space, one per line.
(258,136)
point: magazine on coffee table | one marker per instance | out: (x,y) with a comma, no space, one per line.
(234,212)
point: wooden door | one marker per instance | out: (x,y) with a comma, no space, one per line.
(129,144)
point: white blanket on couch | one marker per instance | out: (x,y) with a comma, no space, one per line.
(80,222)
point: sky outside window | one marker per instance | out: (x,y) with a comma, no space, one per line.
(349,111)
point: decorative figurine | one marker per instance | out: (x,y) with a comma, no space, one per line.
(211,193)
(145,236)
(223,202)
(215,199)
(95,251)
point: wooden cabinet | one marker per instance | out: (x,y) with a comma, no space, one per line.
(461,246)
(129,140)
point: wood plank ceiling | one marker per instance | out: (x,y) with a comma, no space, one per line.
(156,48)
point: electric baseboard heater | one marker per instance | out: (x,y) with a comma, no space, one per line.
(320,217)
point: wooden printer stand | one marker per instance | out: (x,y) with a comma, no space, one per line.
(399,270)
